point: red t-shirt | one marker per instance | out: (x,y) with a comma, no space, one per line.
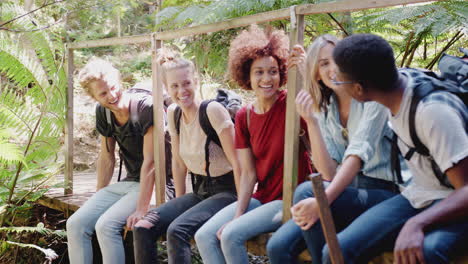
(265,137)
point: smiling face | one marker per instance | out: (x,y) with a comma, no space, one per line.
(181,85)
(326,66)
(108,93)
(265,77)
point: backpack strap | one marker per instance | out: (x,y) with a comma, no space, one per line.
(394,159)
(206,124)
(177,116)
(419,92)
(210,132)
(111,128)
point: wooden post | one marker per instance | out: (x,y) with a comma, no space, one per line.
(69,127)
(291,142)
(328,226)
(158,132)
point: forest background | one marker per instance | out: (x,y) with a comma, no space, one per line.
(33,79)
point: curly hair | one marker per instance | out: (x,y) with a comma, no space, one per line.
(375,58)
(253,44)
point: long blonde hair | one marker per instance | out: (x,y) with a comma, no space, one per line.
(317,89)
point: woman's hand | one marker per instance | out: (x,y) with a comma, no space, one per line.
(305,213)
(298,58)
(304,106)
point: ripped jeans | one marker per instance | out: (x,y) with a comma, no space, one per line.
(258,218)
(179,218)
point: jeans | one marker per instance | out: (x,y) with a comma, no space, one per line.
(259,218)
(285,244)
(377,229)
(180,218)
(107,212)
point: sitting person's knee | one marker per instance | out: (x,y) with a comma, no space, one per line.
(304,190)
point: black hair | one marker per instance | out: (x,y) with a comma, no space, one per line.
(367,59)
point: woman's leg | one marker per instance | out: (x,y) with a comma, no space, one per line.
(155,224)
(183,228)
(285,244)
(207,242)
(265,218)
(109,226)
(80,226)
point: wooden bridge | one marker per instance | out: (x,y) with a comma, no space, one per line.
(79,187)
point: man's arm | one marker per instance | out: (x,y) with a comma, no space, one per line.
(105,163)
(410,241)
(146,180)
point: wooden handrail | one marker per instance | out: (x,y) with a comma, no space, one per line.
(306,9)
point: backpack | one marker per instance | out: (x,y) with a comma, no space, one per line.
(137,91)
(230,100)
(453,79)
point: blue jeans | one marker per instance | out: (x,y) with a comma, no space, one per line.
(377,229)
(179,218)
(259,218)
(285,244)
(107,212)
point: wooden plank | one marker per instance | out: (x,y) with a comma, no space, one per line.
(136,39)
(69,127)
(328,226)
(291,141)
(351,5)
(158,132)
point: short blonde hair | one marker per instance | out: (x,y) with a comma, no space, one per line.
(97,69)
(319,92)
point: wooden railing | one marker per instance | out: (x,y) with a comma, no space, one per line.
(295,14)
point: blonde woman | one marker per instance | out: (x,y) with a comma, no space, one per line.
(213,179)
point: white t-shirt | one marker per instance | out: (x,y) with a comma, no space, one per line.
(443,130)
(192,140)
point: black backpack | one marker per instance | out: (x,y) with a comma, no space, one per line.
(230,100)
(453,79)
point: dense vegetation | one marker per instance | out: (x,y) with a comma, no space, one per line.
(33,78)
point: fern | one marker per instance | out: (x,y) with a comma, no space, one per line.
(32,108)
(49,253)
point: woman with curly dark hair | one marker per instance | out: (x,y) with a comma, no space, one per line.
(258,62)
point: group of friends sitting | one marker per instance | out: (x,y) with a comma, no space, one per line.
(354,102)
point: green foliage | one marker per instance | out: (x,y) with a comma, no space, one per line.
(415,31)
(32,109)
(40,228)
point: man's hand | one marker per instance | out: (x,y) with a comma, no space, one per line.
(409,244)
(134,218)
(305,213)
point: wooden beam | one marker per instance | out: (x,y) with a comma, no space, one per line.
(291,141)
(69,127)
(326,220)
(158,132)
(351,5)
(111,41)
(227,24)
(306,9)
